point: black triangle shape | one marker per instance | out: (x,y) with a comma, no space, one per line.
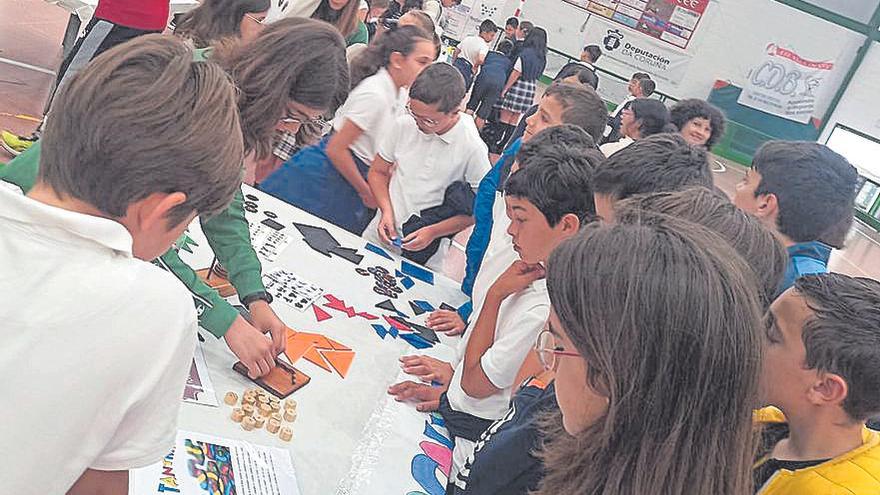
(416,309)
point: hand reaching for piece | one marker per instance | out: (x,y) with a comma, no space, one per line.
(251,347)
(448,322)
(427,398)
(428,369)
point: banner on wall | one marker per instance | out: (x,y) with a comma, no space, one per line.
(786,84)
(631,51)
(671,21)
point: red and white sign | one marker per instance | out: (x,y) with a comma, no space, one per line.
(672,21)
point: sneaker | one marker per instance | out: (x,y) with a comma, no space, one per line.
(15,144)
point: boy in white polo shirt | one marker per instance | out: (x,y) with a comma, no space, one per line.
(97,341)
(470,54)
(422,155)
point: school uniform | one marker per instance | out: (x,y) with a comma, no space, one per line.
(470,51)
(609,149)
(425,165)
(310,181)
(612,129)
(530,64)
(489,84)
(804,258)
(97,345)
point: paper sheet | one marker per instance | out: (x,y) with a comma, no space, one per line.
(199,389)
(286,286)
(268,242)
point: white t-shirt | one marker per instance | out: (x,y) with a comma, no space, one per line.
(372,106)
(609,149)
(96,348)
(425,166)
(473,49)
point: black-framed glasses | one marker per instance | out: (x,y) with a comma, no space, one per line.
(547,349)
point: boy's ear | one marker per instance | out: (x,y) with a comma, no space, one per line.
(152,211)
(569,225)
(767,207)
(829,390)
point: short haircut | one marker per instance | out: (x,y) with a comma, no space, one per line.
(640,75)
(648,86)
(653,115)
(526,27)
(558,181)
(144,118)
(757,245)
(693,108)
(813,185)
(843,336)
(487,26)
(594,52)
(582,106)
(505,47)
(568,135)
(512,22)
(584,75)
(662,162)
(440,84)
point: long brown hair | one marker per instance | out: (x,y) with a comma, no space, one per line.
(216,20)
(667,320)
(292,59)
(402,40)
(344,20)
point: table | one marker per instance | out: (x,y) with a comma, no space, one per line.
(350,437)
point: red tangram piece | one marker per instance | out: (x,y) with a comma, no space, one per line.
(367,316)
(320,351)
(320,314)
(398,325)
(339,305)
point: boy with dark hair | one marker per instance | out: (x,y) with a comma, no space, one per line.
(425,153)
(510,27)
(589,56)
(490,82)
(470,54)
(76,281)
(640,86)
(548,200)
(821,372)
(662,162)
(802,190)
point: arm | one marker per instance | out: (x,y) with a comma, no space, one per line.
(420,239)
(340,156)
(455,53)
(94,482)
(514,77)
(380,179)
(474,381)
(531,367)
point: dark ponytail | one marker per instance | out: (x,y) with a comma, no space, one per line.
(402,40)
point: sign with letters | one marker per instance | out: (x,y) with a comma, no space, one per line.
(671,21)
(786,84)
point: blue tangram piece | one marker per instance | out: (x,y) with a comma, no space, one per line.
(407,282)
(416,340)
(417,272)
(380,330)
(425,305)
(376,249)
(394,332)
(398,274)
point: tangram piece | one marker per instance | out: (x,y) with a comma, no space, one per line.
(416,309)
(320,314)
(407,283)
(367,316)
(415,340)
(417,272)
(317,238)
(425,305)
(447,307)
(397,323)
(348,254)
(320,351)
(339,305)
(387,305)
(380,330)
(398,273)
(376,249)
(425,332)
(393,331)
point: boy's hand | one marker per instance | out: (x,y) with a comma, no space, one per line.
(267,321)
(448,322)
(426,396)
(517,277)
(368,199)
(419,239)
(253,349)
(428,369)
(387,230)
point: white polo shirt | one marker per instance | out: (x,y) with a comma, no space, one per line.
(472,49)
(425,166)
(96,348)
(372,106)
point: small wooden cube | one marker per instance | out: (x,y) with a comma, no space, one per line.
(249,399)
(259,421)
(273,426)
(290,415)
(231,398)
(266,410)
(248,409)
(237,415)
(248,423)
(285,434)
(276,417)
(290,404)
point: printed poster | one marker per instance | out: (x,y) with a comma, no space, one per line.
(786,84)
(626,51)
(670,21)
(464,19)
(199,389)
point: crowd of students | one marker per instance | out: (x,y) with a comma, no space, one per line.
(630,329)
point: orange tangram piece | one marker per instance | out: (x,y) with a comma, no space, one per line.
(319,350)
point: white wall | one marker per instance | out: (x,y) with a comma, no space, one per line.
(860,106)
(727,44)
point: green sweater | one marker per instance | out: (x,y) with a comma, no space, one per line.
(228,235)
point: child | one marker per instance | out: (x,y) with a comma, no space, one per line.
(518,94)
(470,54)
(504,460)
(662,162)
(270,96)
(430,149)
(644,117)
(329,180)
(82,304)
(801,190)
(216,21)
(640,86)
(490,82)
(589,56)
(510,27)
(822,372)
(548,200)
(699,122)
(655,394)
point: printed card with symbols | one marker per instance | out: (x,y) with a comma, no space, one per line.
(268,242)
(286,286)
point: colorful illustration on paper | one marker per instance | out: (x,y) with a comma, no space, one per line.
(431,468)
(211,466)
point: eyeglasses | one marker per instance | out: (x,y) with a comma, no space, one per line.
(547,350)
(290,118)
(424,121)
(255,19)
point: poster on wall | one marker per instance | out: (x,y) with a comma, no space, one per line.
(786,84)
(464,19)
(671,21)
(626,51)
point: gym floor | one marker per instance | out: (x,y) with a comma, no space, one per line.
(30,51)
